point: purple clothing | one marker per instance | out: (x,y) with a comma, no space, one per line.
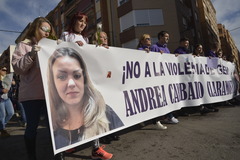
(211,54)
(158,47)
(181,50)
(143,47)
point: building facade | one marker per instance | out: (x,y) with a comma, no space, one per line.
(208,22)
(179,17)
(228,46)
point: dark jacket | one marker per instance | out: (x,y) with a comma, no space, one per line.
(62,136)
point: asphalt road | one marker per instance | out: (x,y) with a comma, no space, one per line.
(215,136)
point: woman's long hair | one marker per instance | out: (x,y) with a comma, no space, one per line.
(77,16)
(34,27)
(94,107)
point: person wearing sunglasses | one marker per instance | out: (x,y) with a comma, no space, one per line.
(31,93)
(144,42)
(6,107)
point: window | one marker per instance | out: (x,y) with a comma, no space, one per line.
(131,44)
(141,18)
(121,2)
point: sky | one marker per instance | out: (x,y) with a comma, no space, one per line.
(16,14)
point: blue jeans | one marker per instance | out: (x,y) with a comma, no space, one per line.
(6,112)
(33,110)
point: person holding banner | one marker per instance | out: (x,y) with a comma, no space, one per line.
(6,107)
(161,46)
(77,29)
(144,43)
(76,32)
(100,38)
(198,50)
(183,47)
(31,94)
(78,110)
(214,48)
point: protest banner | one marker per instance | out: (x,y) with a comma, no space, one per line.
(135,86)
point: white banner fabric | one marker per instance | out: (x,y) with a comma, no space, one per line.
(138,86)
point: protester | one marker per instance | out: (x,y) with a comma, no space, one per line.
(100,38)
(183,46)
(76,32)
(31,94)
(213,52)
(202,109)
(161,45)
(214,48)
(6,107)
(198,50)
(13,95)
(77,29)
(144,42)
(183,49)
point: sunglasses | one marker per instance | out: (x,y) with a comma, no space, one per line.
(148,39)
(4,70)
(45,29)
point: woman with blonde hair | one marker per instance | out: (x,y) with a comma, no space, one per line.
(144,42)
(78,109)
(100,38)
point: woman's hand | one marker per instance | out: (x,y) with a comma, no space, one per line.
(59,41)
(80,43)
(33,53)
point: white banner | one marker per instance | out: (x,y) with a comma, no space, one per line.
(126,87)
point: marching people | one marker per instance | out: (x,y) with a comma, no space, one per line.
(183,49)
(100,38)
(76,32)
(198,50)
(144,43)
(214,48)
(6,107)
(13,95)
(161,46)
(183,46)
(31,94)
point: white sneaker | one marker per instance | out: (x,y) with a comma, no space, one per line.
(174,120)
(160,126)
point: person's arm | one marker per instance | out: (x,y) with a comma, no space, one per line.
(2,90)
(23,58)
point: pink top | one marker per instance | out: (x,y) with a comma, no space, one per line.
(31,86)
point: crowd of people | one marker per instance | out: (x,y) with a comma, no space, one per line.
(33,105)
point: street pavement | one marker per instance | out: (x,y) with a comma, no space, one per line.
(215,136)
